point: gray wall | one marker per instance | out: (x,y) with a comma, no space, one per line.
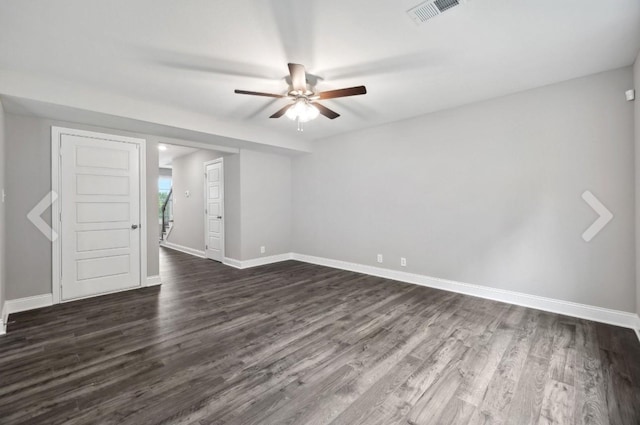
(2,213)
(232,207)
(153,250)
(266,203)
(636,83)
(28,180)
(188,212)
(488,193)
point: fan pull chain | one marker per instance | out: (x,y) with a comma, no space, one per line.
(300,125)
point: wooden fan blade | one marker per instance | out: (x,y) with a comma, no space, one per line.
(281,112)
(332,115)
(298,77)
(352,91)
(256,93)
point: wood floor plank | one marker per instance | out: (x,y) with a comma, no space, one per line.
(456,412)
(397,406)
(527,398)
(619,388)
(591,401)
(295,343)
(431,405)
(497,400)
(478,375)
(563,353)
(372,361)
(557,405)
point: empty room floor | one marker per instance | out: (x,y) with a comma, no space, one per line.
(294,343)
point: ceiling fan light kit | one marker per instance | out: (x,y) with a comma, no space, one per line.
(304,107)
(302,111)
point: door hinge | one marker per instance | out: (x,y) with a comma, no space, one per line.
(60,217)
(206,247)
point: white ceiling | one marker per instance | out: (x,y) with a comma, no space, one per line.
(179,61)
(167,156)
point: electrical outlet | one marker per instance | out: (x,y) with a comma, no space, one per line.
(379,258)
(403,262)
(263,250)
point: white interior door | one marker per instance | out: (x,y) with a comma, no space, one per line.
(100,216)
(214,210)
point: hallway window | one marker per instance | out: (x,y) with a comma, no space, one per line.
(164,187)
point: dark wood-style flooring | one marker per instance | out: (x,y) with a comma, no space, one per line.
(293,343)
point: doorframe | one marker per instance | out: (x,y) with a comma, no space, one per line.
(56,176)
(224,214)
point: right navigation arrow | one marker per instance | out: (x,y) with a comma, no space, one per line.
(604,218)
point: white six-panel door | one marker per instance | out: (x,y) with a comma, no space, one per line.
(214,210)
(100,216)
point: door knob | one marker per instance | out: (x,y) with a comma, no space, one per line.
(219,217)
(134,226)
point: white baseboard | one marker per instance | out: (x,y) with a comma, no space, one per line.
(232,262)
(254,262)
(184,249)
(28,303)
(153,280)
(582,311)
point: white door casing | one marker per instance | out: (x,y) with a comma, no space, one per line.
(101,209)
(214,209)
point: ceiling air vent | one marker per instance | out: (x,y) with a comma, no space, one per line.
(430,9)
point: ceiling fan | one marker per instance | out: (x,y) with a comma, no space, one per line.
(305,106)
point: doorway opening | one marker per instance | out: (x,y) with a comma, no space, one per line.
(191,210)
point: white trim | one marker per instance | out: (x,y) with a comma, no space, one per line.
(261,261)
(142,143)
(232,262)
(56,134)
(184,249)
(56,257)
(4,318)
(583,311)
(206,205)
(153,280)
(28,303)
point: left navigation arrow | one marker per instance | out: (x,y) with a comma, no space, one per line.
(35,214)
